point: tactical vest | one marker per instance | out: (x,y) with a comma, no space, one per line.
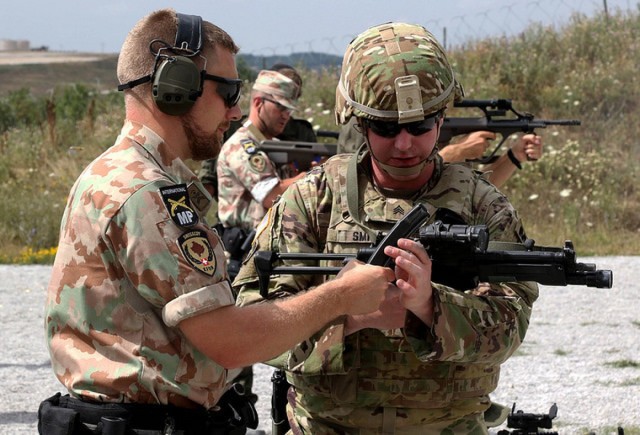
(385,370)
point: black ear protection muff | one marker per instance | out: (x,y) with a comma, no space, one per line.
(177,81)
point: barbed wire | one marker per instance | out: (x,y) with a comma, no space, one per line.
(453,31)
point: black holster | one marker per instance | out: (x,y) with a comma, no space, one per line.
(280,422)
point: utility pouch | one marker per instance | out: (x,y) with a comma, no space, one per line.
(54,420)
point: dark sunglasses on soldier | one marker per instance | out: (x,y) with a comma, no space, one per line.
(279,106)
(228,89)
(391,129)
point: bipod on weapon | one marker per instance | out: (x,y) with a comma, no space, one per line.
(525,424)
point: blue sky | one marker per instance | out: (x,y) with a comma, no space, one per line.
(283,26)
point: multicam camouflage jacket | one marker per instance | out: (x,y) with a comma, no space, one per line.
(245,176)
(135,258)
(436,374)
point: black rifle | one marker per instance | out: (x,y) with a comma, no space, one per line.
(499,117)
(462,257)
(300,154)
(495,119)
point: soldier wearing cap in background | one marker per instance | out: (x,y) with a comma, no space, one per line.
(296,129)
(248,181)
(427,360)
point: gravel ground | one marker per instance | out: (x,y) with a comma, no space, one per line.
(577,339)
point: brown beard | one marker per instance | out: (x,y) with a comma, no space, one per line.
(202,146)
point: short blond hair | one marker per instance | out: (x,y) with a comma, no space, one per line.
(136,59)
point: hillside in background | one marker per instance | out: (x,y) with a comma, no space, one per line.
(42,78)
(584,187)
(308,60)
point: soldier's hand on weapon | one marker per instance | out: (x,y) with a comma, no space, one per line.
(391,314)
(473,146)
(413,277)
(365,286)
(528,148)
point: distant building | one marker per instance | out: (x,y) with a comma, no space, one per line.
(14,45)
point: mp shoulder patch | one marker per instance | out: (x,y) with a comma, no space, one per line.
(198,252)
(176,199)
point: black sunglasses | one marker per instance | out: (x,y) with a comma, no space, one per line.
(228,89)
(391,129)
(279,106)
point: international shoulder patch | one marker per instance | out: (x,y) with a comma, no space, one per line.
(198,252)
(176,199)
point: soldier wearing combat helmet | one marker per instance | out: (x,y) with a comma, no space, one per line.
(427,360)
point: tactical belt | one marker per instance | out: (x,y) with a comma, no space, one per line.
(65,415)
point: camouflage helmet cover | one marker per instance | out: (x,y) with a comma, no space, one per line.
(377,64)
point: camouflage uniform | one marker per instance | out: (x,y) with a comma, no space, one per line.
(135,258)
(241,167)
(416,379)
(245,174)
(295,130)
(438,378)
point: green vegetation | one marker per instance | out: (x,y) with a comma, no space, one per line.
(583,189)
(624,363)
(628,430)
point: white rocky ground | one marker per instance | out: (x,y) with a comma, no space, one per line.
(577,337)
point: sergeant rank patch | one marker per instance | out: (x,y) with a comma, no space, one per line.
(176,199)
(198,252)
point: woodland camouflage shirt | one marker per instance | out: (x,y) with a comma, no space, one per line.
(436,374)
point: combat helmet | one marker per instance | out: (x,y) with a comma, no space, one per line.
(394,72)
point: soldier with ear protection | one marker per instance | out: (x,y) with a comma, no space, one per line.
(140,318)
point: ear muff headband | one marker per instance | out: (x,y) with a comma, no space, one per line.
(177,81)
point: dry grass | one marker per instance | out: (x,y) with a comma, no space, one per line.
(584,187)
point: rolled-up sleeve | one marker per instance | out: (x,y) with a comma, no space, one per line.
(197,302)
